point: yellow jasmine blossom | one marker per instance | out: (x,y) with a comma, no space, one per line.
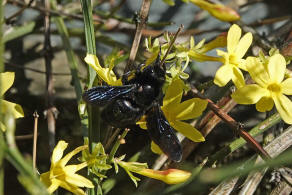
(106,74)
(169,176)
(232,59)
(270,87)
(219,11)
(176,111)
(7,79)
(62,175)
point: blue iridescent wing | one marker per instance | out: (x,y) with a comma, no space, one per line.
(102,95)
(163,134)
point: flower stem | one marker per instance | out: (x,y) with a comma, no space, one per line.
(117,145)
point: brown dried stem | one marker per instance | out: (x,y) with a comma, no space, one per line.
(171,44)
(234,125)
(143,15)
(35,136)
(49,79)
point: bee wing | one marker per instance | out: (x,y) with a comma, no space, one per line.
(102,95)
(163,134)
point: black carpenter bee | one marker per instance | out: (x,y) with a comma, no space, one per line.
(139,95)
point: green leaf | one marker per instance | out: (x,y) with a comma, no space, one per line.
(16,32)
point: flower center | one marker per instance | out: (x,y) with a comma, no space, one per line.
(274,87)
(232,59)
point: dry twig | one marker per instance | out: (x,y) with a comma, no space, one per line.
(49,79)
(141,24)
(35,136)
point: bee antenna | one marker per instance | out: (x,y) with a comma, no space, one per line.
(170,45)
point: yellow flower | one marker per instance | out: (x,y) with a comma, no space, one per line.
(232,59)
(62,175)
(7,79)
(270,87)
(106,74)
(176,112)
(219,11)
(169,176)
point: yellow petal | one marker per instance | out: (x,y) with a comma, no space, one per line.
(265,104)
(190,109)
(277,67)
(13,108)
(79,181)
(45,178)
(142,122)
(243,45)
(54,185)
(249,94)
(225,56)
(72,188)
(223,75)
(257,71)
(284,107)
(237,78)
(173,94)
(201,57)
(155,148)
(219,41)
(58,151)
(143,125)
(233,37)
(105,74)
(71,169)
(7,79)
(188,131)
(287,86)
(68,156)
(241,64)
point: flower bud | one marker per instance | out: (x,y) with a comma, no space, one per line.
(169,176)
(219,11)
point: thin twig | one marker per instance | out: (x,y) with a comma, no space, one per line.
(117,145)
(49,79)
(35,70)
(237,127)
(8,20)
(143,15)
(23,137)
(171,43)
(112,138)
(35,136)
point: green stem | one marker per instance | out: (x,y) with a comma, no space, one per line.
(117,145)
(27,176)
(91,49)
(73,63)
